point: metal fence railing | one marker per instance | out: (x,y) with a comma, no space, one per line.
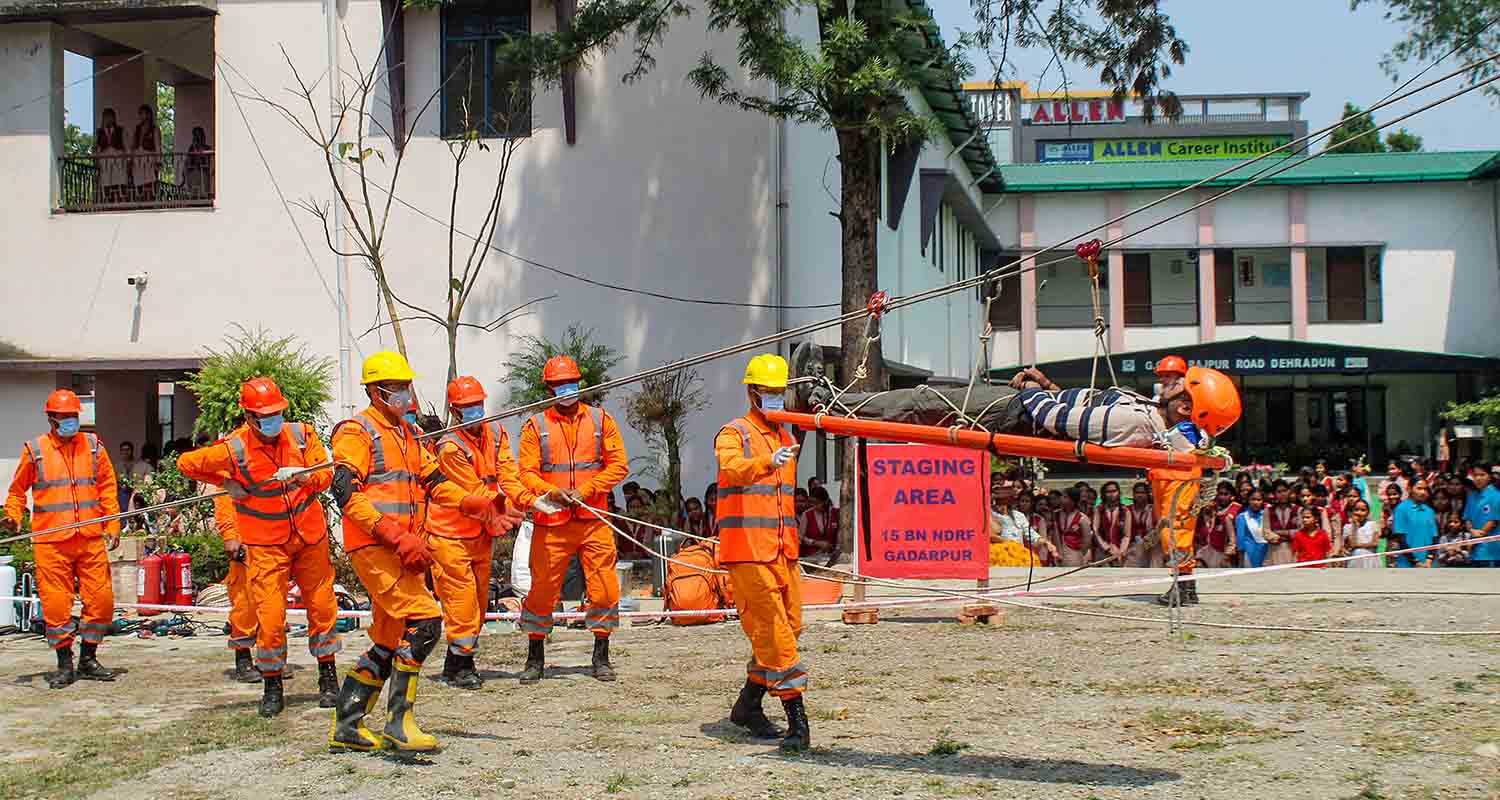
(136,181)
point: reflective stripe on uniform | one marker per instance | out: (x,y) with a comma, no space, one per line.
(51,507)
(463,645)
(540,420)
(62,482)
(405,509)
(61,633)
(605,618)
(241,642)
(377,457)
(380,668)
(754,489)
(268,661)
(535,623)
(247,484)
(744,431)
(93,632)
(324,644)
(757,522)
(793,678)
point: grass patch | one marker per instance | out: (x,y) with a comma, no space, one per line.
(101,757)
(946,745)
(1203,730)
(1464,687)
(835,714)
(620,782)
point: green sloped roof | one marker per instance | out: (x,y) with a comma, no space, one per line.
(1324,169)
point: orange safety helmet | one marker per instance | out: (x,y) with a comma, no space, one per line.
(1170,365)
(262,396)
(63,401)
(465,390)
(560,368)
(1216,402)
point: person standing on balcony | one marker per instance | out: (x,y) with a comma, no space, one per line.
(147,160)
(109,157)
(199,177)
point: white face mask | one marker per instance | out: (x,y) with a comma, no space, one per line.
(398,400)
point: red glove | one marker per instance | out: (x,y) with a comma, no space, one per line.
(415,557)
(474,505)
(499,523)
(387,531)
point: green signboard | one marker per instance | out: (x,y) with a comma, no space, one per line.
(1181,148)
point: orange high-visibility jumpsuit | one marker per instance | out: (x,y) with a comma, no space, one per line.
(470,465)
(389,465)
(70,480)
(758,544)
(582,451)
(284,531)
(1173,492)
(243,623)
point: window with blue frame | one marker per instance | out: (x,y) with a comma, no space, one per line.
(483,92)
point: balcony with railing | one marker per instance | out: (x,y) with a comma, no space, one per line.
(139,181)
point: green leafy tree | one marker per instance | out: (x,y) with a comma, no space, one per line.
(595,360)
(166,116)
(305,379)
(76,143)
(1403,141)
(1358,130)
(660,410)
(1484,411)
(1436,27)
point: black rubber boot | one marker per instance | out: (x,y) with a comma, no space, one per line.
(748,714)
(64,676)
(89,668)
(536,660)
(1190,593)
(272,698)
(401,729)
(798,734)
(355,700)
(244,668)
(602,670)
(328,685)
(459,672)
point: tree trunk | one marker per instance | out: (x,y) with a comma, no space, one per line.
(452,348)
(390,307)
(673,441)
(858,201)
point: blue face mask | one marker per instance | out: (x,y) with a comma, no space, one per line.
(410,417)
(772,402)
(67,427)
(471,413)
(399,400)
(566,394)
(270,426)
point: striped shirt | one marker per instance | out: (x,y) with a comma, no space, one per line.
(1108,417)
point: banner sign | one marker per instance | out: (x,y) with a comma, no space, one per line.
(1077,112)
(1174,149)
(928,512)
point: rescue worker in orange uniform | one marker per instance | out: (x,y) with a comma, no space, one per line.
(243,624)
(263,465)
(71,480)
(1207,401)
(571,455)
(378,483)
(466,511)
(758,545)
(1170,371)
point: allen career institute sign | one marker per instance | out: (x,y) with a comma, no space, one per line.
(928,512)
(1077,112)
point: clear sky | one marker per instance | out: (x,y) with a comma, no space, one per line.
(1317,46)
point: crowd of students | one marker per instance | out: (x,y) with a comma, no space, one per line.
(1312,516)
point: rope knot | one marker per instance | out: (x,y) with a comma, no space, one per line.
(878,303)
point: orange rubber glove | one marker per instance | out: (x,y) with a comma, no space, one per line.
(474,505)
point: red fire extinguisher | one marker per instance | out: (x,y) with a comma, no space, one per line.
(180,566)
(150,583)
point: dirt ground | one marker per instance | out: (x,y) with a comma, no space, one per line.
(1045,705)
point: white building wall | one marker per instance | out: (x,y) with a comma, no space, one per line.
(22,396)
(663,192)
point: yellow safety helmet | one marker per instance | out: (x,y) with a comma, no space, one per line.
(767,369)
(386,365)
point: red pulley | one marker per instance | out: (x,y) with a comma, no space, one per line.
(149,583)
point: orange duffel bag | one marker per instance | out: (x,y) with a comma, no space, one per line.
(690,587)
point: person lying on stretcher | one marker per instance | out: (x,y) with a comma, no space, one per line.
(1198,402)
